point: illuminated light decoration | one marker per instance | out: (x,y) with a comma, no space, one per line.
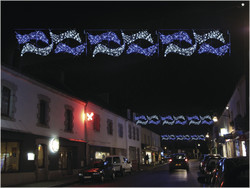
(183,137)
(54,145)
(195,122)
(206,117)
(152,117)
(206,48)
(133,48)
(109,36)
(61,47)
(172,48)
(37,35)
(100,48)
(168,122)
(142,122)
(180,36)
(193,117)
(179,117)
(166,117)
(39,51)
(181,122)
(154,122)
(90,116)
(207,122)
(66,35)
(211,35)
(140,117)
(140,35)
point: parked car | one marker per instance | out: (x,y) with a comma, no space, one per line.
(205,159)
(230,172)
(99,171)
(178,161)
(120,164)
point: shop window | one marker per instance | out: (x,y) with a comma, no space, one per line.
(129,131)
(43,111)
(101,155)
(120,130)
(68,119)
(134,133)
(40,156)
(63,159)
(96,123)
(110,126)
(10,152)
(8,100)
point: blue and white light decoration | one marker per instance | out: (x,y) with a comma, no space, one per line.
(183,137)
(126,43)
(174,120)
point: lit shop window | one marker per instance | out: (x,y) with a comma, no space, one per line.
(10,153)
(40,156)
(101,155)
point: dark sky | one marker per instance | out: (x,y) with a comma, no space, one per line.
(199,84)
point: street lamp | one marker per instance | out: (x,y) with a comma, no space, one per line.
(215,119)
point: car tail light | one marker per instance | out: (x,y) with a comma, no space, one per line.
(221,184)
(186,160)
(170,160)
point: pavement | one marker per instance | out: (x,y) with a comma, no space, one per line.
(74,179)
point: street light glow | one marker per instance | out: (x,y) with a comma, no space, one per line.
(215,119)
(242,4)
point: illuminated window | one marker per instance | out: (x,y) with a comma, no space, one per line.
(40,156)
(43,111)
(110,127)
(96,123)
(68,123)
(120,130)
(10,153)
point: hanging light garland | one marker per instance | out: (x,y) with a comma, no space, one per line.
(37,35)
(183,137)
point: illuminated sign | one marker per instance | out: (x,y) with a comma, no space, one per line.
(31,156)
(90,116)
(54,145)
(161,43)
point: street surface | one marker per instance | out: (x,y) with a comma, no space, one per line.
(157,177)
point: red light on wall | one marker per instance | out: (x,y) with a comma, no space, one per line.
(83,116)
(90,116)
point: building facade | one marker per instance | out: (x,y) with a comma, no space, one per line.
(232,138)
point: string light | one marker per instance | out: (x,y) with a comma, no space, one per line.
(109,36)
(211,35)
(66,35)
(61,47)
(183,137)
(174,120)
(206,48)
(133,48)
(180,36)
(140,35)
(173,48)
(100,48)
(39,51)
(37,35)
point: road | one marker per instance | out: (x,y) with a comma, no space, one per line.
(157,177)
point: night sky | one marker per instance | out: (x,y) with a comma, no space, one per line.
(175,85)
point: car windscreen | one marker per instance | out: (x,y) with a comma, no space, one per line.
(116,160)
(98,165)
(179,157)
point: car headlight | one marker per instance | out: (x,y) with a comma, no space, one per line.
(80,174)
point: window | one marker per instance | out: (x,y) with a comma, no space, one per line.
(133,132)
(120,130)
(5,108)
(10,153)
(68,119)
(43,111)
(8,99)
(96,123)
(40,156)
(110,126)
(137,134)
(129,131)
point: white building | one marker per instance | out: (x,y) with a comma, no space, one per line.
(151,146)
(111,134)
